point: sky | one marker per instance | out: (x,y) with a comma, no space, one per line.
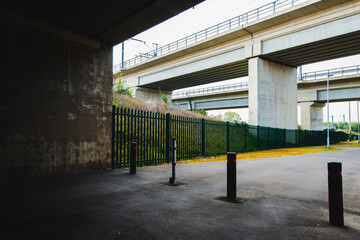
(212,12)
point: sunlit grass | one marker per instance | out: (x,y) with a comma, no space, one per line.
(283,152)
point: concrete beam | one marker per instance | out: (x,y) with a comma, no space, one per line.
(339,94)
(193,67)
(327,30)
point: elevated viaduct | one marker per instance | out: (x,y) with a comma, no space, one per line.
(311,96)
(268,50)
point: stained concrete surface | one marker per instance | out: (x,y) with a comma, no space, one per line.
(281,198)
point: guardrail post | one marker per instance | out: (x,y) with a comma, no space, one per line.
(231,176)
(167,138)
(173,178)
(336,211)
(274,6)
(203,137)
(133,158)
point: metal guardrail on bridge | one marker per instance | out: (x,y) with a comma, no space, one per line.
(215,89)
(335,72)
(222,27)
(321,74)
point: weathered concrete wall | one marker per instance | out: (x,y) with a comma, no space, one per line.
(272,94)
(55,104)
(312,115)
(152,94)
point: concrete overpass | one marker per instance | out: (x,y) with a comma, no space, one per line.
(311,95)
(268,50)
(56,80)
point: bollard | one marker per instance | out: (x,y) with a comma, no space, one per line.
(173,178)
(336,211)
(133,158)
(231,176)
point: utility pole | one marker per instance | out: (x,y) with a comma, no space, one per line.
(332,121)
(328,105)
(349,120)
(344,120)
(122,55)
(358,120)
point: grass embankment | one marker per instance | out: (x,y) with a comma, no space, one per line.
(124,101)
(283,152)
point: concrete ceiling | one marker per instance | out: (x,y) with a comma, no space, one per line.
(331,48)
(109,21)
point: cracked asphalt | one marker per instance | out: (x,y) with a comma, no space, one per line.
(279,198)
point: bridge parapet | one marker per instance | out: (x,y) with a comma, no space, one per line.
(225,26)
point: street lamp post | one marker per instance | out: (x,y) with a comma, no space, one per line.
(327,94)
(358,120)
(144,42)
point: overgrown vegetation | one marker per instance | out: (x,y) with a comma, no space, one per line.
(125,101)
(120,88)
(164,98)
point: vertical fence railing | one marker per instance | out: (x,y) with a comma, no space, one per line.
(197,137)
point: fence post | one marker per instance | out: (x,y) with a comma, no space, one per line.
(336,211)
(133,158)
(245,138)
(268,138)
(167,145)
(258,137)
(113,138)
(227,136)
(203,136)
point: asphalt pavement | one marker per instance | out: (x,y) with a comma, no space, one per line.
(278,198)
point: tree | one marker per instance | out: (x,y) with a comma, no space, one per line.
(232,117)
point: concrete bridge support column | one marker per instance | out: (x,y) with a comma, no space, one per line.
(312,115)
(152,94)
(272,94)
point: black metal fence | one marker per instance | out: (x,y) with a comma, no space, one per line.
(197,137)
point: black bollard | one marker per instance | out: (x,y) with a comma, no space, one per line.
(336,210)
(133,158)
(231,176)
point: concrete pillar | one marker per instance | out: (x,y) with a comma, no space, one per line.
(147,94)
(272,94)
(56,101)
(312,115)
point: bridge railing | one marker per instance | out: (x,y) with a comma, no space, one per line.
(209,90)
(322,74)
(335,72)
(217,29)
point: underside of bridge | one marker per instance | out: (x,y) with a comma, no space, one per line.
(56,80)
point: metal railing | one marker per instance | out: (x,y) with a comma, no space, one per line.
(152,131)
(321,74)
(335,72)
(222,27)
(215,89)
